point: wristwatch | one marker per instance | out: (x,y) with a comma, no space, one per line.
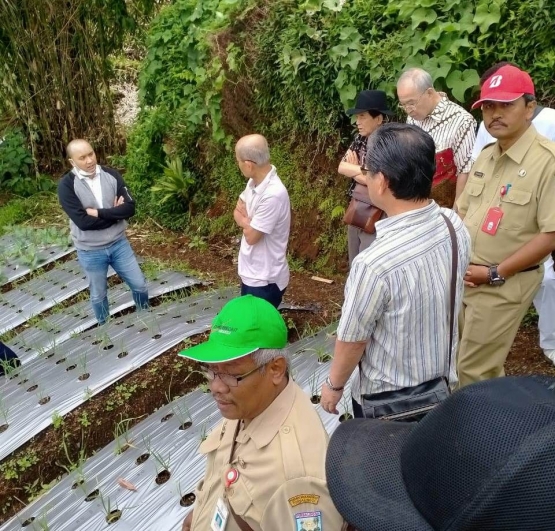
(330,385)
(494,278)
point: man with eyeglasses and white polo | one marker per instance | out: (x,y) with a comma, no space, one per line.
(265,463)
(452,128)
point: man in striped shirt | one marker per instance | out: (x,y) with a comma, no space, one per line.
(448,123)
(395,316)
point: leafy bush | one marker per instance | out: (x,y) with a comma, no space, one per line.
(15,158)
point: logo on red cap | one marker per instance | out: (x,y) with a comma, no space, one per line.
(507,84)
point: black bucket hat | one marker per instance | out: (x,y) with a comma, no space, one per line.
(484,460)
(371,100)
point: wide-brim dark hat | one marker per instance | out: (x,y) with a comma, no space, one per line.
(482,460)
(371,100)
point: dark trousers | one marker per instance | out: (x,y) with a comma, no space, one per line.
(7,355)
(357,410)
(270,293)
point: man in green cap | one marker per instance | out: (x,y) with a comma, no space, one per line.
(265,465)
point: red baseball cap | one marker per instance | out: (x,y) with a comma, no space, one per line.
(507,84)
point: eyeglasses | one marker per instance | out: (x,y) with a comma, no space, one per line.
(411,106)
(365,171)
(229,379)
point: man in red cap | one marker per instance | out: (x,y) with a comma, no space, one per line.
(507,206)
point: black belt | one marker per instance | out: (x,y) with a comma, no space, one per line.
(531,268)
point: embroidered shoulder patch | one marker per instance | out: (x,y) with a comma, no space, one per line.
(304,498)
(308,521)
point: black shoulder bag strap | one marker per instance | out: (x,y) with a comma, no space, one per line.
(454,268)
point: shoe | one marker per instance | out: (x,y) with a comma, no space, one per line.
(550,353)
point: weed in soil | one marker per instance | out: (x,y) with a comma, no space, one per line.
(187,500)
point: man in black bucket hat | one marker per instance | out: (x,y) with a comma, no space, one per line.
(484,460)
(371,110)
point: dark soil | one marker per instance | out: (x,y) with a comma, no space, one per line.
(91,426)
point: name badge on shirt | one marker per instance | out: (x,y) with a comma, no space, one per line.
(491,223)
(221,514)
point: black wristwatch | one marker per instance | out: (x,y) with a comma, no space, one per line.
(494,278)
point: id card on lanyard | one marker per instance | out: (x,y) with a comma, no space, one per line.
(495,214)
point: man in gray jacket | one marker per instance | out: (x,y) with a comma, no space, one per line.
(98,204)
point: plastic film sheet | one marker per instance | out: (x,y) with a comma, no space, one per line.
(157,507)
(16,269)
(59,327)
(66,376)
(42,293)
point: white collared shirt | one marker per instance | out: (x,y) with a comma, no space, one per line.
(94,185)
(269,210)
(397,299)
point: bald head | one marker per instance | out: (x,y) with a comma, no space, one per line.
(81,155)
(253,148)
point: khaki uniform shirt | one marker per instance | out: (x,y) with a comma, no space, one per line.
(280,457)
(529,206)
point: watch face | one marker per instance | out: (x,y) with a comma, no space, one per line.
(497,281)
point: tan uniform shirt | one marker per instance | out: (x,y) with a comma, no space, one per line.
(280,457)
(529,206)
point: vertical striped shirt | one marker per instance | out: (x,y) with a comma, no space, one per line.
(451,127)
(397,299)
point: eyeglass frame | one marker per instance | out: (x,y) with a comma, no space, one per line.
(412,106)
(239,378)
(364,171)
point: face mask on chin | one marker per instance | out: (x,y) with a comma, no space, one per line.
(84,173)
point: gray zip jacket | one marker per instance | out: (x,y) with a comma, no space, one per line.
(88,232)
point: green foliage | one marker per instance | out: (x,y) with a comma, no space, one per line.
(12,468)
(176,183)
(15,158)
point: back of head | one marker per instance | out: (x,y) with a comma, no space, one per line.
(253,148)
(405,155)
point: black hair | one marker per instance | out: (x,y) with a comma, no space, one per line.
(493,69)
(528,98)
(405,154)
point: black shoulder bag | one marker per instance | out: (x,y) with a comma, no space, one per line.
(411,404)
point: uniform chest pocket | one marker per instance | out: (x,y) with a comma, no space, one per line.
(516,207)
(474,191)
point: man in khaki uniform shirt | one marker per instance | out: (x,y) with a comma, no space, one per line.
(266,462)
(508,206)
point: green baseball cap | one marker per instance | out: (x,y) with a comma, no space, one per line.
(243,326)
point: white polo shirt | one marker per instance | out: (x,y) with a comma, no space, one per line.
(269,209)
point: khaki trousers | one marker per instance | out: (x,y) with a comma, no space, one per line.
(488,323)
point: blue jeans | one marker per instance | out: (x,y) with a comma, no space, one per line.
(270,293)
(120,256)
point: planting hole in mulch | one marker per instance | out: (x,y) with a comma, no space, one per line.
(28,522)
(122,449)
(345,416)
(3,427)
(142,458)
(162,477)
(51,355)
(166,417)
(84,376)
(93,495)
(114,516)
(77,483)
(324,358)
(23,381)
(143,329)
(157,336)
(61,360)
(186,425)
(71,367)
(191,321)
(118,323)
(176,317)
(108,347)
(32,388)
(187,500)
(96,342)
(44,400)
(122,354)
(315,399)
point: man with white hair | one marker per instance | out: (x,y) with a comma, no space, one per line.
(263,212)
(452,128)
